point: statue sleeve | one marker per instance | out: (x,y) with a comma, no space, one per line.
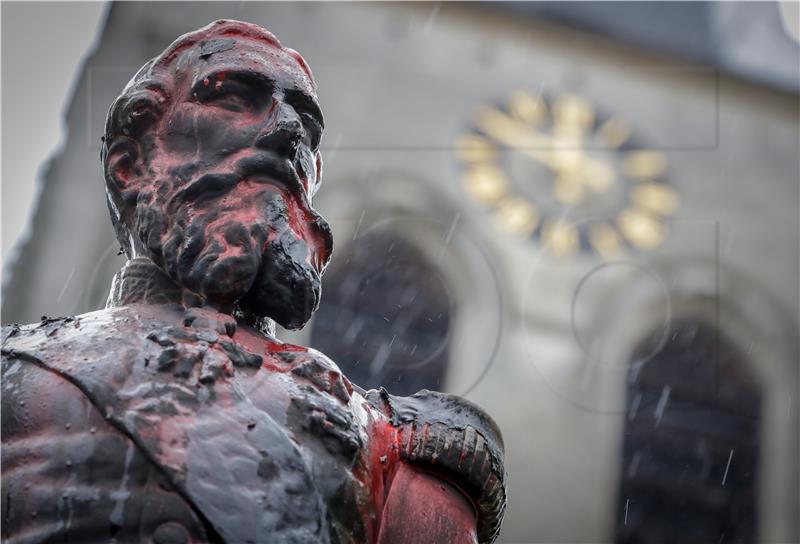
(421,507)
(454,439)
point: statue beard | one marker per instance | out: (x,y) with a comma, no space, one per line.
(231,242)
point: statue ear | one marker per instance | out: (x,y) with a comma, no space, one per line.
(318,160)
(123,168)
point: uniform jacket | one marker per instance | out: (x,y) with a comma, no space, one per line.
(155,423)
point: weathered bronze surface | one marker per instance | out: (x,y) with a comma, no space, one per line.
(174,415)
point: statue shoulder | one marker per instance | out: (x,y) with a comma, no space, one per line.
(65,338)
(456,439)
(312,366)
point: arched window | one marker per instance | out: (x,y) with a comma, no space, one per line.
(385,316)
(691,442)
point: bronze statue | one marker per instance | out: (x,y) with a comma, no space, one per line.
(174,415)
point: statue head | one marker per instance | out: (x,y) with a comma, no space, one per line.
(211,159)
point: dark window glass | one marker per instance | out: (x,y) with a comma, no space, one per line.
(690,452)
(385,316)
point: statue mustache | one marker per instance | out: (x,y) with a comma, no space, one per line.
(265,166)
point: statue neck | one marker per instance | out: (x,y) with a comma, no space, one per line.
(140,281)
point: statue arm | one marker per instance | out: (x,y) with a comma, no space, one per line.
(452,438)
(50,431)
(423,508)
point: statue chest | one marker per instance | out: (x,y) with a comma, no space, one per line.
(262,439)
(279,435)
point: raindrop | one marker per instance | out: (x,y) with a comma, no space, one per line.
(727,467)
(662,403)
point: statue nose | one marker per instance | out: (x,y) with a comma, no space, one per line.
(284,134)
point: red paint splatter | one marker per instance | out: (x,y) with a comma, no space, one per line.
(277,347)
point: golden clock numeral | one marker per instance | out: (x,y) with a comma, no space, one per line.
(642,229)
(517,216)
(527,107)
(573,113)
(644,164)
(485,182)
(655,197)
(614,132)
(560,237)
(605,240)
(474,148)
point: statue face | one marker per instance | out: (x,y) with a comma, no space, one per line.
(226,207)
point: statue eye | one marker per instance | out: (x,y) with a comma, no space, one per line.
(230,100)
(239,93)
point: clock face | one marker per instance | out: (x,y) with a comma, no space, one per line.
(558,172)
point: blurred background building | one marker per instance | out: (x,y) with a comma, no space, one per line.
(581,216)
